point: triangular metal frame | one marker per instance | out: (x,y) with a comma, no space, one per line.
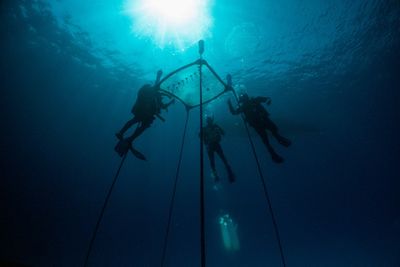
(199,62)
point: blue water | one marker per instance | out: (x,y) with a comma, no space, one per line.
(70,71)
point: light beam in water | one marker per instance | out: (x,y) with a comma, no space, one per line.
(177,23)
(229,233)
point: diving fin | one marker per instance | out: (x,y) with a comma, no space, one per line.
(123,146)
(137,153)
(283,141)
(276,158)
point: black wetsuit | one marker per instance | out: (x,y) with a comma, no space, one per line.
(212,134)
(147,106)
(258,118)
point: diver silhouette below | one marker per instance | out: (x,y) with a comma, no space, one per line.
(212,134)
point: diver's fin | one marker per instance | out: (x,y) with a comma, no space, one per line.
(122,147)
(284,141)
(276,158)
(137,153)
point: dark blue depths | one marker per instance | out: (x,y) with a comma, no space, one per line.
(336,197)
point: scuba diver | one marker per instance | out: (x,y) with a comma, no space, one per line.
(212,134)
(258,118)
(148,105)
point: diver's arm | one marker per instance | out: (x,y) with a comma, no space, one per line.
(165,106)
(170,103)
(232,110)
(162,93)
(263,99)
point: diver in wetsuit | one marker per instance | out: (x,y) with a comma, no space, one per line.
(212,134)
(148,105)
(258,118)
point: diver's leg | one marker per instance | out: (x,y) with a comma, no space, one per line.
(211,157)
(264,137)
(275,132)
(139,130)
(221,154)
(127,125)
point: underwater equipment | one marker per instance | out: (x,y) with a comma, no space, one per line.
(137,153)
(229,80)
(186,85)
(123,146)
(201,47)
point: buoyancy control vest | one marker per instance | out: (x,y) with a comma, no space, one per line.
(148,102)
(212,134)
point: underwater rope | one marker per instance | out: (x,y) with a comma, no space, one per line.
(171,206)
(102,211)
(202,228)
(200,62)
(265,188)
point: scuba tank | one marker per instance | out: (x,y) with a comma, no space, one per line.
(146,101)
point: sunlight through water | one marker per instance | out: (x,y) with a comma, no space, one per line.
(175,23)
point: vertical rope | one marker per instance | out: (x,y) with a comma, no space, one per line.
(265,188)
(102,212)
(174,192)
(202,230)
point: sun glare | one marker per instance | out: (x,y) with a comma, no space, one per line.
(177,23)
